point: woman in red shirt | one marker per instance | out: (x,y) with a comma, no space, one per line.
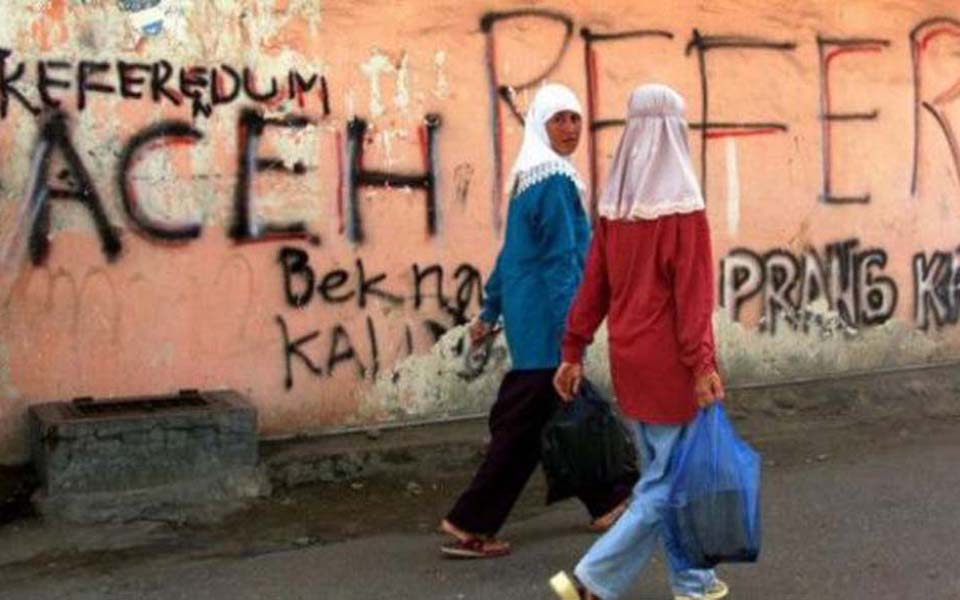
(650,274)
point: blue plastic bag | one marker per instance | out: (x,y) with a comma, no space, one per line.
(713,510)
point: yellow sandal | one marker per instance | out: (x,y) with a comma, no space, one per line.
(567,588)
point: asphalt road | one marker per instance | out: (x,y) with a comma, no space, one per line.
(863,512)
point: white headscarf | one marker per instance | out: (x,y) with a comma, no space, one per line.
(537,159)
(652,174)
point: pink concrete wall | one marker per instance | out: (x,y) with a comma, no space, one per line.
(835,237)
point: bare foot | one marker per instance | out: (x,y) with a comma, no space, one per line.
(451,529)
(607,521)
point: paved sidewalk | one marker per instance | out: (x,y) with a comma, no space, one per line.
(863,511)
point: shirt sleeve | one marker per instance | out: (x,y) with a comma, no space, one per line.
(690,257)
(492,296)
(592,302)
(558,210)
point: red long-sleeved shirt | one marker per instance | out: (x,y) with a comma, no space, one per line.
(653,280)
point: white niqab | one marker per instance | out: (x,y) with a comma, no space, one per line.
(652,174)
(537,159)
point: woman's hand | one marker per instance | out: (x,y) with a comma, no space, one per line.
(567,380)
(709,388)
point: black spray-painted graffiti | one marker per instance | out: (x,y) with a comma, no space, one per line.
(936,288)
(701,44)
(76,184)
(211,87)
(358,176)
(305,286)
(709,129)
(850,281)
(205,88)
(829,49)
(246,226)
(163,133)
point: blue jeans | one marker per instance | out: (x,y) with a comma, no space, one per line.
(615,560)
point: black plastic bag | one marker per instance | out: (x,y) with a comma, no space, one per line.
(584,446)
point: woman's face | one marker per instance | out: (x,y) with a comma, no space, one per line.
(563,128)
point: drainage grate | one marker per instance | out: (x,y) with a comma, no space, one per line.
(186,400)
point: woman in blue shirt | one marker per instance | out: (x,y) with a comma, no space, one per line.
(532,286)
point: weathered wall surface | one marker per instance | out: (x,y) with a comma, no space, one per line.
(292,197)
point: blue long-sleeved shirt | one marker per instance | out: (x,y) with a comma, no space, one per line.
(538,271)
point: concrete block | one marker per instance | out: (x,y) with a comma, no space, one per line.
(138,452)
